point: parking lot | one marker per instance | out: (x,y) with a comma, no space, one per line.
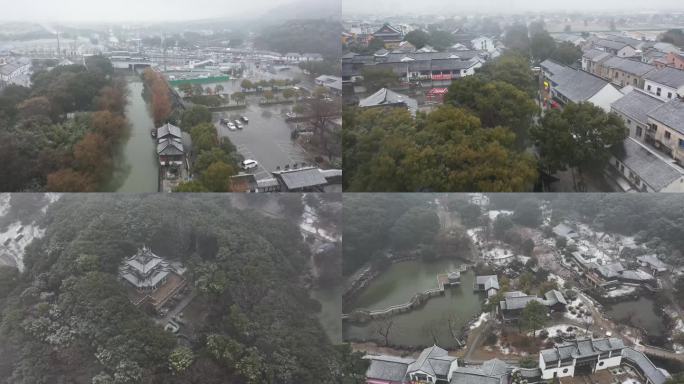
(266,138)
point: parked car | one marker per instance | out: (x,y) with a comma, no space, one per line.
(231,126)
(245,119)
(238,124)
(249,164)
(222,121)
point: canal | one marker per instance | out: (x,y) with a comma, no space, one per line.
(137,169)
(427,324)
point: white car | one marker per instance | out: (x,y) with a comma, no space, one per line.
(249,164)
(231,126)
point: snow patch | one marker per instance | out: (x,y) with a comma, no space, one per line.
(15,239)
(4,203)
(623,290)
(480,320)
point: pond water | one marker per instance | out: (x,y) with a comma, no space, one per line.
(419,327)
(137,168)
(640,314)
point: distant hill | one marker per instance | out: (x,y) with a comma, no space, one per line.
(305,9)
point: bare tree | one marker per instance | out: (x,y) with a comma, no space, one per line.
(383,329)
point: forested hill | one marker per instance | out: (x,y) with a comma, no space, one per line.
(67,319)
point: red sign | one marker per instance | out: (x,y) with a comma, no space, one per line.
(446,76)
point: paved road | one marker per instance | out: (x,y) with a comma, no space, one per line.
(177,309)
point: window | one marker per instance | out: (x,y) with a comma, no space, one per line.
(667,135)
(635,82)
(669,95)
(638,131)
(681,143)
(601,363)
(648,87)
(658,91)
(565,370)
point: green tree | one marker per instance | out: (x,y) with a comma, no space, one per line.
(581,136)
(197,114)
(218,89)
(204,137)
(238,97)
(542,46)
(191,186)
(516,38)
(441,39)
(418,38)
(567,53)
(447,151)
(246,84)
(288,93)
(534,316)
(377,78)
(187,89)
(217,177)
(496,103)
(514,69)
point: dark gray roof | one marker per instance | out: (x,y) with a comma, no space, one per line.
(169,147)
(301,178)
(388,97)
(168,129)
(581,348)
(636,105)
(670,114)
(629,66)
(387,368)
(492,371)
(652,169)
(564,230)
(654,374)
(490,281)
(431,361)
(611,44)
(577,86)
(668,76)
(596,54)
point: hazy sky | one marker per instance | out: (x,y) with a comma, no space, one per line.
(451,7)
(131,10)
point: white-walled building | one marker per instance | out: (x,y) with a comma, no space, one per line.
(665,83)
(587,355)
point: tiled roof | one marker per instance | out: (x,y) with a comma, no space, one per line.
(636,105)
(653,170)
(670,114)
(668,76)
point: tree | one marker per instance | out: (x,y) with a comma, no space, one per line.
(238,97)
(581,136)
(68,180)
(197,114)
(512,68)
(288,93)
(269,95)
(217,177)
(204,137)
(496,103)
(108,125)
(447,151)
(377,78)
(91,155)
(528,247)
(218,89)
(534,316)
(567,53)
(542,46)
(191,186)
(197,89)
(34,107)
(418,38)
(246,84)
(517,39)
(187,89)
(383,329)
(180,359)
(502,224)
(112,98)
(441,40)
(673,36)
(528,213)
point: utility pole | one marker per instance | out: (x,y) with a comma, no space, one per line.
(59,50)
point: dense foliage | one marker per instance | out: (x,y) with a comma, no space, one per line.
(67,318)
(447,150)
(63,133)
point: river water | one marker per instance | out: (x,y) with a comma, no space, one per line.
(419,327)
(137,166)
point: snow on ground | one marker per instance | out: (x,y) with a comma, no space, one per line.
(4,203)
(483,318)
(51,198)
(310,221)
(559,280)
(495,213)
(556,330)
(575,304)
(15,238)
(523,259)
(623,290)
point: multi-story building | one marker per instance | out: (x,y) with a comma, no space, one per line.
(389,35)
(666,129)
(665,83)
(580,356)
(623,71)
